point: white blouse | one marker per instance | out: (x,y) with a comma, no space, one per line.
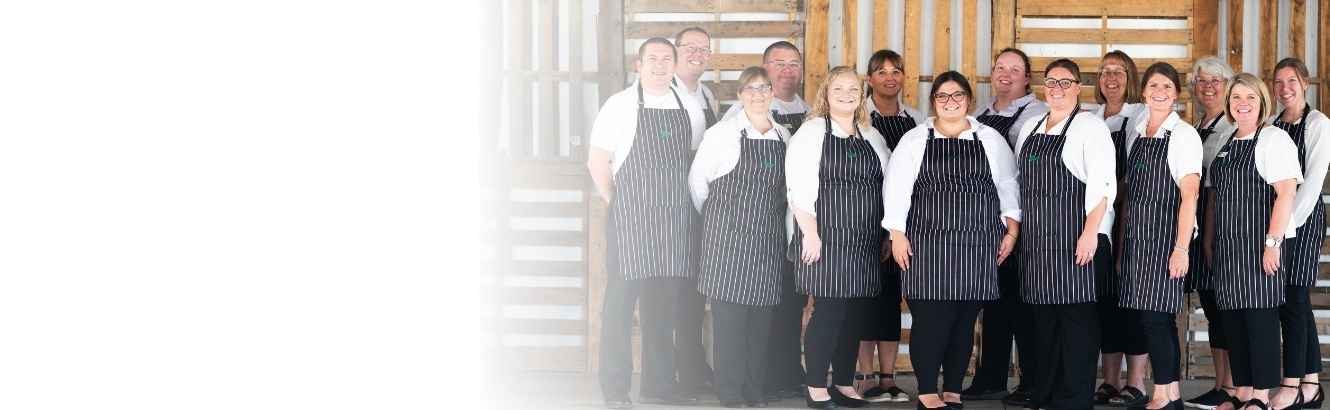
(1084,155)
(902,111)
(719,152)
(1128,114)
(1212,145)
(803,160)
(1272,153)
(1316,141)
(795,106)
(1184,145)
(903,171)
(615,127)
(1034,108)
(703,95)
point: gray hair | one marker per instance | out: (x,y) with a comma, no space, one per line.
(1213,66)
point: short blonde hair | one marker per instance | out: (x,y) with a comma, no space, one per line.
(822,103)
(1250,81)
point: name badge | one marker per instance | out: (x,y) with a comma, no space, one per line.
(1222,154)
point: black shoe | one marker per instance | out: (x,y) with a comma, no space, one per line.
(618,403)
(1257,403)
(1208,401)
(1129,397)
(919,405)
(814,404)
(1017,398)
(1297,401)
(955,405)
(1315,402)
(1167,406)
(1104,393)
(975,392)
(675,398)
(845,401)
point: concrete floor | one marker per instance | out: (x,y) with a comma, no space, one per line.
(580,391)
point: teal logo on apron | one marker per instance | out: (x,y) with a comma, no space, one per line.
(663,134)
(1140,165)
(851,153)
(1032,157)
(768,163)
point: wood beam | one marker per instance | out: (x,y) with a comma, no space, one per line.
(880,21)
(911,54)
(941,36)
(815,46)
(1297,25)
(1204,28)
(1235,35)
(850,33)
(1269,36)
(968,40)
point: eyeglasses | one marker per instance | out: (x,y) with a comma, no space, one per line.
(1211,83)
(1063,83)
(760,88)
(1113,73)
(782,65)
(958,96)
(696,50)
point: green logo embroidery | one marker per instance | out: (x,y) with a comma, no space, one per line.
(851,154)
(768,163)
(663,134)
(1033,157)
(1140,165)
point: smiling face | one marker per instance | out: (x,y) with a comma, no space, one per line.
(1009,75)
(950,102)
(1209,89)
(1160,93)
(886,81)
(694,54)
(844,94)
(756,95)
(1113,79)
(1244,104)
(785,69)
(655,65)
(1290,89)
(1058,98)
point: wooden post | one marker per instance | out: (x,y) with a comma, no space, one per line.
(911,53)
(880,22)
(1269,38)
(1298,29)
(941,37)
(968,40)
(1235,35)
(850,33)
(1204,28)
(611,55)
(815,46)
(1004,25)
(547,31)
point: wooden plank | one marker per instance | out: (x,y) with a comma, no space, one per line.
(548,238)
(912,24)
(850,33)
(547,210)
(1235,35)
(1297,25)
(717,29)
(816,63)
(547,100)
(1004,25)
(1096,36)
(1116,8)
(880,21)
(609,48)
(728,90)
(543,296)
(550,268)
(520,88)
(1090,65)
(545,358)
(1269,37)
(725,62)
(969,38)
(1204,29)
(540,326)
(577,130)
(941,36)
(1324,59)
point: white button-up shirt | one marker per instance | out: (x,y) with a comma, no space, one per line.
(908,158)
(803,160)
(1087,154)
(615,127)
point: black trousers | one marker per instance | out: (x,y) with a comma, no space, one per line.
(1253,352)
(1068,343)
(1302,347)
(832,339)
(1003,319)
(1113,320)
(690,356)
(942,336)
(1159,332)
(740,336)
(1214,320)
(659,297)
(785,369)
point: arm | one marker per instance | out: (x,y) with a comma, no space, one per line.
(1177,262)
(705,164)
(1279,216)
(811,247)
(1100,189)
(598,165)
(1208,234)
(1317,160)
(1008,240)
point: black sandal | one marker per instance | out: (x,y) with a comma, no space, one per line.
(1315,402)
(1297,401)
(1104,393)
(1129,396)
(1255,402)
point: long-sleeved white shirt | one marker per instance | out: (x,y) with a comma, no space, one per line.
(1272,153)
(1316,143)
(903,110)
(908,158)
(1087,154)
(795,106)
(703,95)
(1184,144)
(720,150)
(615,127)
(1034,108)
(1130,114)
(803,160)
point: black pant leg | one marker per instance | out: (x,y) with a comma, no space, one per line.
(822,337)
(785,352)
(960,340)
(759,325)
(690,352)
(729,337)
(1313,347)
(1263,336)
(1041,382)
(616,337)
(1239,347)
(846,357)
(1293,317)
(1160,332)
(928,342)
(1214,321)
(660,297)
(1026,343)
(1079,330)
(995,350)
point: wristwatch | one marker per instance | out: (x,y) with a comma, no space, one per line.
(1273,242)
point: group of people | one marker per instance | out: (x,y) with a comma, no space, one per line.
(853,201)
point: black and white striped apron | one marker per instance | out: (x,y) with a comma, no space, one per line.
(1302,254)
(707,112)
(1198,274)
(652,219)
(1002,124)
(743,227)
(955,225)
(892,128)
(791,122)
(1243,202)
(1053,215)
(1150,229)
(1120,147)
(849,221)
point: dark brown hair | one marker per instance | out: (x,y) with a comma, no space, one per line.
(779,45)
(656,40)
(1024,59)
(952,77)
(1133,95)
(1297,65)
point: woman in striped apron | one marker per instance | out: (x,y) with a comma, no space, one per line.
(1210,77)
(738,183)
(1119,96)
(952,212)
(1254,185)
(882,329)
(1157,222)
(834,169)
(1310,131)
(1066,187)
(1013,105)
